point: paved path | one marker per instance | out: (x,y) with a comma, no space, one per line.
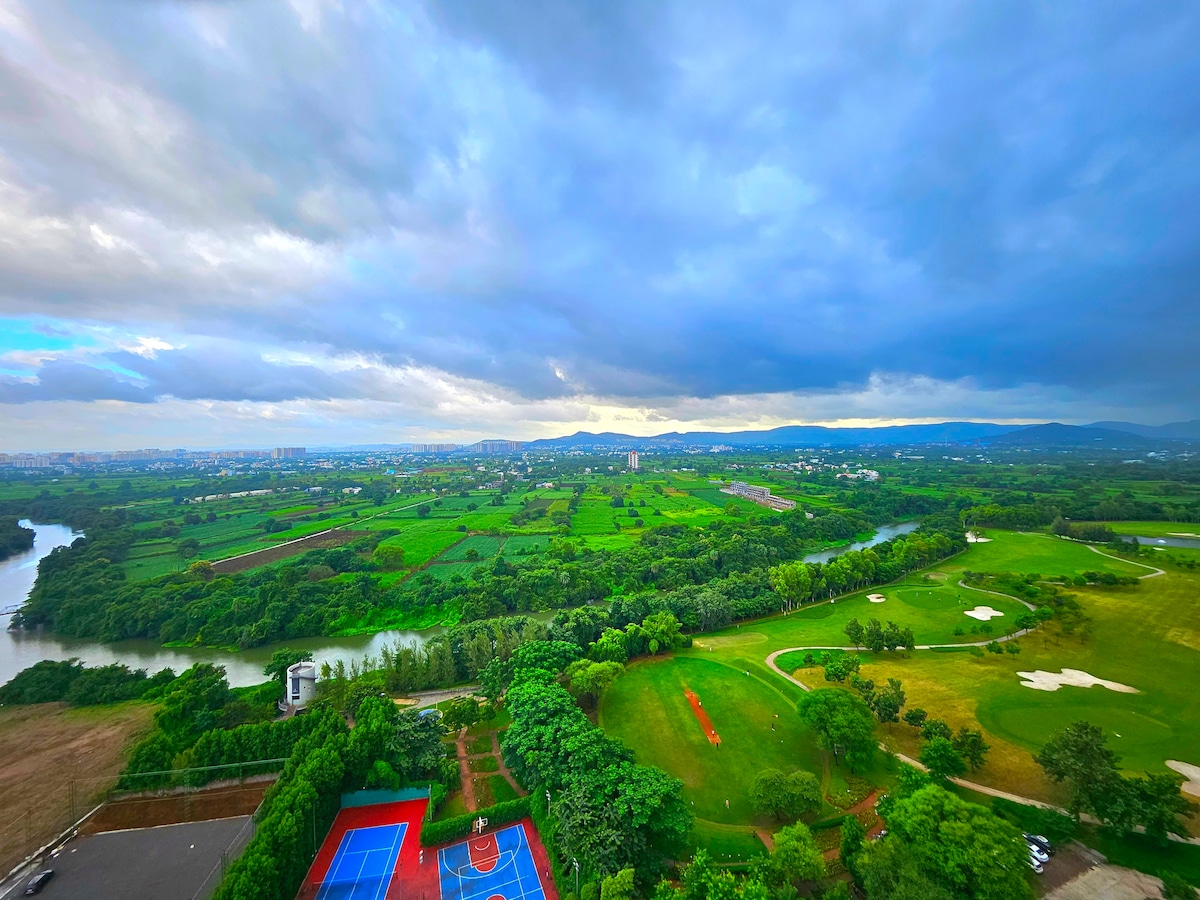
(961,782)
(1154,570)
(1029,606)
(778,671)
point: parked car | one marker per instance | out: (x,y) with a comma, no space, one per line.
(1044,844)
(1035,865)
(1037,852)
(38,881)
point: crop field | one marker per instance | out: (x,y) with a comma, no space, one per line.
(485,547)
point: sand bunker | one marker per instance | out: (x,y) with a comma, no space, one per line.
(1187,534)
(876,598)
(973,538)
(1190,772)
(983,613)
(1049,681)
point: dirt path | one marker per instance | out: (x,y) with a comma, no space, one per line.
(465,775)
(504,769)
(702,716)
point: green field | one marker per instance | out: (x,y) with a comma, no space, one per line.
(646,708)
(1041,554)
(1146,636)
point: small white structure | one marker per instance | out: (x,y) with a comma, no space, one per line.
(301,685)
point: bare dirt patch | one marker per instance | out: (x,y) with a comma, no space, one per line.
(173,809)
(1051,681)
(256,558)
(54,763)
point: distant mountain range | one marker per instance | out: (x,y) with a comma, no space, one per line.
(1109,435)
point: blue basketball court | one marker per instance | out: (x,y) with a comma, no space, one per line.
(497,866)
(363,865)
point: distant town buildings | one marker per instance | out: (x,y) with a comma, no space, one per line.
(288,453)
(434,448)
(633,460)
(760,495)
(494,448)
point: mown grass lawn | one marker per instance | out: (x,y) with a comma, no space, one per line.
(646,708)
(1042,554)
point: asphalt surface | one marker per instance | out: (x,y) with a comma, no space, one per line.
(169,862)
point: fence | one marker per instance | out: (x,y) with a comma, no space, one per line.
(61,804)
(228,855)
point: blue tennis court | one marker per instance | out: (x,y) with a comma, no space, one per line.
(362,868)
(495,866)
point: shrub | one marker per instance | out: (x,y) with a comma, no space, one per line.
(460,826)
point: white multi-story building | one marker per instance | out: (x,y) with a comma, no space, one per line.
(633,460)
(760,495)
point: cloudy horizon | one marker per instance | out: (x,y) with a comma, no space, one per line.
(315,222)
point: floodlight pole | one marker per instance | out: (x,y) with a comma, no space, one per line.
(575,863)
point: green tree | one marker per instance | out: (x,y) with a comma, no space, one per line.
(785,796)
(941,759)
(587,679)
(389,557)
(792,582)
(1079,755)
(957,849)
(853,836)
(1175,887)
(971,746)
(618,886)
(795,858)
(844,724)
(855,632)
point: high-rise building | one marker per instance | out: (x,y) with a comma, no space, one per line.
(498,447)
(633,460)
(287,452)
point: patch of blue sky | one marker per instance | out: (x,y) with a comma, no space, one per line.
(38,333)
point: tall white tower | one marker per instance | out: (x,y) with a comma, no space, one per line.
(633,460)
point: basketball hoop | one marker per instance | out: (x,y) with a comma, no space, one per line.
(480,824)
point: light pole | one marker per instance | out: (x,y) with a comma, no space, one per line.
(575,863)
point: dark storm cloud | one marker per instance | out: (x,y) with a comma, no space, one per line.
(623,200)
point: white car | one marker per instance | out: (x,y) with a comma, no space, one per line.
(1037,852)
(1035,865)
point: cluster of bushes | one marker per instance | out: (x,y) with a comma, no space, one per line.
(608,812)
(460,826)
(299,808)
(71,681)
(198,701)
(14,538)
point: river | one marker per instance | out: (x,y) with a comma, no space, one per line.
(1181,542)
(885,533)
(21,649)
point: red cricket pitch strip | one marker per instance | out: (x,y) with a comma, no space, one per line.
(702,717)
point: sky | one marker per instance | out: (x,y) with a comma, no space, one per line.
(253,223)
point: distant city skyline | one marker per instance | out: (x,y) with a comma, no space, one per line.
(301,223)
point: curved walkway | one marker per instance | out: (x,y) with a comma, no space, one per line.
(1029,606)
(771,657)
(961,782)
(1154,569)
